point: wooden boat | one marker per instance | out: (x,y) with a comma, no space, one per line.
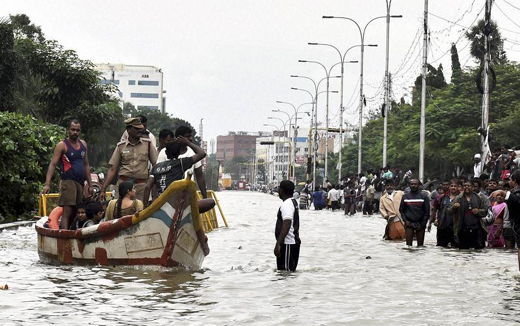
(167,233)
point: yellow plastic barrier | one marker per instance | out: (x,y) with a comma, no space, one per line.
(209,219)
(45,208)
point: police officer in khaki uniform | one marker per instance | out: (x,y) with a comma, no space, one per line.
(131,157)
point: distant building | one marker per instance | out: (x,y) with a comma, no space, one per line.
(140,85)
(235,144)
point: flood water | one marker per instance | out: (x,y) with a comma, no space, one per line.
(335,283)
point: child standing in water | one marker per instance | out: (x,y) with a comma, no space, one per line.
(495,236)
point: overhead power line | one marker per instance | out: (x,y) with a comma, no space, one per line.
(511,4)
(496,5)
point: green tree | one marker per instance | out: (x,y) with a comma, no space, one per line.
(158,121)
(26,148)
(476,35)
(8,67)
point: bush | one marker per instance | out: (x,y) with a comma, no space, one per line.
(26,147)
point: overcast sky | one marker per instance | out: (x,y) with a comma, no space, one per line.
(229,61)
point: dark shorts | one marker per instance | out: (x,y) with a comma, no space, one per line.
(288,260)
(71,193)
(335,205)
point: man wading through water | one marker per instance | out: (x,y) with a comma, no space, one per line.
(71,154)
(287,248)
(415,212)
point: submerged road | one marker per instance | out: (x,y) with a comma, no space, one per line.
(335,283)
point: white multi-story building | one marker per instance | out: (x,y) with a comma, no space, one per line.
(140,85)
(276,156)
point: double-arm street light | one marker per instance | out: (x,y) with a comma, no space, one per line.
(296,110)
(342,62)
(362,36)
(327,74)
(314,97)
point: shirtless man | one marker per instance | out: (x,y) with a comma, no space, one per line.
(71,154)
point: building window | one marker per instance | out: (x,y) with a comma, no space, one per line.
(131,82)
(150,107)
(105,81)
(144,95)
(148,82)
(120,94)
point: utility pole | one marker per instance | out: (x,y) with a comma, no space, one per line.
(485,95)
(201,130)
(327,131)
(386,107)
(423,93)
(360,134)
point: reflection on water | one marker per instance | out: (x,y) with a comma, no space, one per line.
(335,283)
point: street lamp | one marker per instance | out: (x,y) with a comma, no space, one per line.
(342,62)
(315,115)
(362,36)
(327,73)
(296,110)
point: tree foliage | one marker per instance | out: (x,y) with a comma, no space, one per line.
(26,147)
(453,114)
(476,35)
(42,79)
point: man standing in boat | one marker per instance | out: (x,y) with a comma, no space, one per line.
(71,154)
(131,157)
(186,151)
(287,248)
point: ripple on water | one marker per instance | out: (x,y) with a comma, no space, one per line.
(335,284)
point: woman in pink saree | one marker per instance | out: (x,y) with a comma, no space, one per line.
(495,237)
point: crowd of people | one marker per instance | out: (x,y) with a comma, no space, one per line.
(142,169)
(477,211)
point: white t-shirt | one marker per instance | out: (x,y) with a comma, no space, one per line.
(189,153)
(333,195)
(287,209)
(477,169)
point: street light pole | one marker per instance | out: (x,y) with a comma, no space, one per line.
(295,126)
(327,73)
(386,107)
(423,94)
(342,62)
(361,99)
(315,115)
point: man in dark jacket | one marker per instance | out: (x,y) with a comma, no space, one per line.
(415,212)
(468,209)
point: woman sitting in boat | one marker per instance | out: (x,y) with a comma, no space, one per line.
(164,173)
(127,204)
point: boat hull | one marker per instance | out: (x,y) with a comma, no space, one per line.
(168,233)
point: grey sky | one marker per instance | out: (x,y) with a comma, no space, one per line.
(228,61)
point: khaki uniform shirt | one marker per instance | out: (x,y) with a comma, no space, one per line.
(132,159)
